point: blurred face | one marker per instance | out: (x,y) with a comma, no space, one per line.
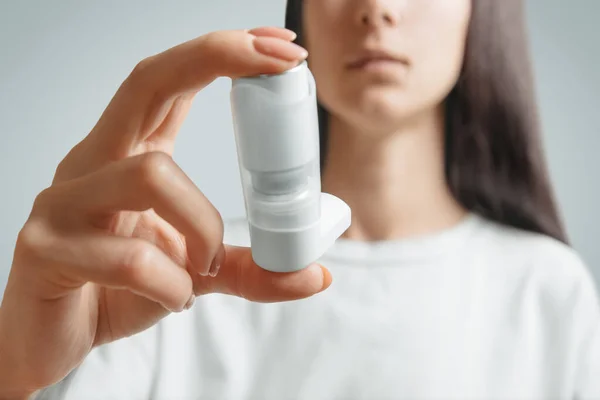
(378,63)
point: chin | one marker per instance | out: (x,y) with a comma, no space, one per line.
(379,109)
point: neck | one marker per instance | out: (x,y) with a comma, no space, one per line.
(394,183)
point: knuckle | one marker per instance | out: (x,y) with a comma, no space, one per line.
(33,238)
(76,163)
(154,169)
(43,199)
(59,171)
(140,256)
(211,39)
(55,205)
(139,72)
(142,82)
(222,40)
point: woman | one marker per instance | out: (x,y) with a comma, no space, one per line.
(454,281)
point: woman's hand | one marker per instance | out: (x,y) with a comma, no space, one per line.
(122,236)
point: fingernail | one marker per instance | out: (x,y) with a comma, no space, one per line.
(327,278)
(274,31)
(279,48)
(217,262)
(214,268)
(190,302)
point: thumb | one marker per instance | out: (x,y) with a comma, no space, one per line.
(240,276)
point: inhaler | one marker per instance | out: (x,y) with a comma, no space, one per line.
(291,222)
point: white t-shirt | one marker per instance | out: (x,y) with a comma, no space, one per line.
(480,311)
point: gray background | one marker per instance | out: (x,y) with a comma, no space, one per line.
(61,62)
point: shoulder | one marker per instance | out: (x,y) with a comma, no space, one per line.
(549,266)
(532,250)
(547,284)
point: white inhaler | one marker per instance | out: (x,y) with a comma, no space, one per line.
(276,129)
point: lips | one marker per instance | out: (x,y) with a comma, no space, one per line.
(372,56)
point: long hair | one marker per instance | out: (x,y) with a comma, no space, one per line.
(494,158)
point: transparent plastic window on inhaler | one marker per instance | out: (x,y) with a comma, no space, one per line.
(292,223)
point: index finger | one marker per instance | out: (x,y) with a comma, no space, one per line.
(185,69)
(192,65)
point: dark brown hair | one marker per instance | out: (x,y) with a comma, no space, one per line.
(494,157)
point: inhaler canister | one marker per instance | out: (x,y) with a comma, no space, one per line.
(277,138)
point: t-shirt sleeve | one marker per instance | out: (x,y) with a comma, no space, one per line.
(122,370)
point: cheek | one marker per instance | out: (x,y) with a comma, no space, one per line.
(438,49)
(331,85)
(323,37)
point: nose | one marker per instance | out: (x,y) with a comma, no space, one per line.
(375,13)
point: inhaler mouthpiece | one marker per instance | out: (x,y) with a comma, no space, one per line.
(277,137)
